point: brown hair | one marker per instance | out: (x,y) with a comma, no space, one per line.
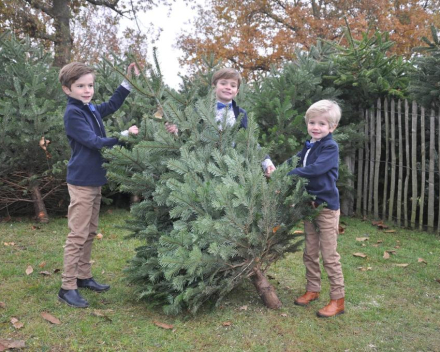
(226,73)
(72,72)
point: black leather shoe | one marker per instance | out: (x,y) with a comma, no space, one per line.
(72,298)
(92,285)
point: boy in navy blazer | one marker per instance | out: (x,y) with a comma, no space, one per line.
(319,163)
(85,174)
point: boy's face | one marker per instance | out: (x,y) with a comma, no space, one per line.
(226,89)
(82,89)
(318,127)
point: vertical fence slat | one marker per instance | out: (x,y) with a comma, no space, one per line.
(378,150)
(431,188)
(372,156)
(360,172)
(438,146)
(423,168)
(386,163)
(407,166)
(367,163)
(400,179)
(393,162)
(413,164)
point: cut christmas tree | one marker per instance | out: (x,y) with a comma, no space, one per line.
(208,216)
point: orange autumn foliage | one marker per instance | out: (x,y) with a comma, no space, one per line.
(252,35)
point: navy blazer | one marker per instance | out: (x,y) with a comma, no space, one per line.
(322,171)
(86,134)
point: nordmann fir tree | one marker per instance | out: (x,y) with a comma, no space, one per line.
(208,216)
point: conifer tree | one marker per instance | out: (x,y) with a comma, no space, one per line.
(32,170)
(209,219)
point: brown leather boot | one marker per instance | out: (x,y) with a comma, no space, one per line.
(335,307)
(306,298)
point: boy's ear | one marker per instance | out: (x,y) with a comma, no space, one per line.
(66,90)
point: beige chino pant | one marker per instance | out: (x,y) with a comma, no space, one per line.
(83,215)
(321,235)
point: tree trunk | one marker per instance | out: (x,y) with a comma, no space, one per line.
(39,206)
(64,42)
(265,290)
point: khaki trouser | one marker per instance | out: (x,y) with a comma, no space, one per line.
(322,235)
(83,217)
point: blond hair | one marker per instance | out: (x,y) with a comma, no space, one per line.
(72,72)
(328,109)
(226,73)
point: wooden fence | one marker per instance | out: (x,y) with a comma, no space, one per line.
(397,171)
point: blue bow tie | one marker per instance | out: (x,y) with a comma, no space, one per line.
(309,144)
(221,105)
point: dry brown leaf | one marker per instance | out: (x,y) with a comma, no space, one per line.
(275,229)
(99,313)
(2,305)
(45,273)
(368,268)
(163,325)
(29,270)
(379,241)
(56,271)
(391,251)
(361,255)
(244,308)
(390,231)
(16,323)
(284,315)
(227,323)
(361,239)
(10,344)
(401,265)
(421,260)
(159,113)
(298,232)
(50,318)
(386,255)
(7,244)
(42,265)
(99,236)
(341,229)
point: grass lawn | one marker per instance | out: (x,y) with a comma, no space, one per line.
(388,307)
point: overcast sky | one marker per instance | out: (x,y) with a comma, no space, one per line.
(172,25)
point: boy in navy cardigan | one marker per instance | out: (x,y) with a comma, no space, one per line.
(319,163)
(85,174)
(226,83)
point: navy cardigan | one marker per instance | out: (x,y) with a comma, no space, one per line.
(86,134)
(322,171)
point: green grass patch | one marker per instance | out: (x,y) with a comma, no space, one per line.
(388,307)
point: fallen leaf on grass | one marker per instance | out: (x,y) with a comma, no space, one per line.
(45,273)
(99,236)
(10,344)
(2,305)
(341,229)
(368,268)
(401,265)
(56,271)
(361,239)
(390,231)
(42,265)
(284,315)
(98,313)
(361,255)
(421,260)
(163,325)
(7,244)
(50,318)
(386,255)
(29,270)
(379,241)
(391,251)
(16,323)
(227,323)
(244,308)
